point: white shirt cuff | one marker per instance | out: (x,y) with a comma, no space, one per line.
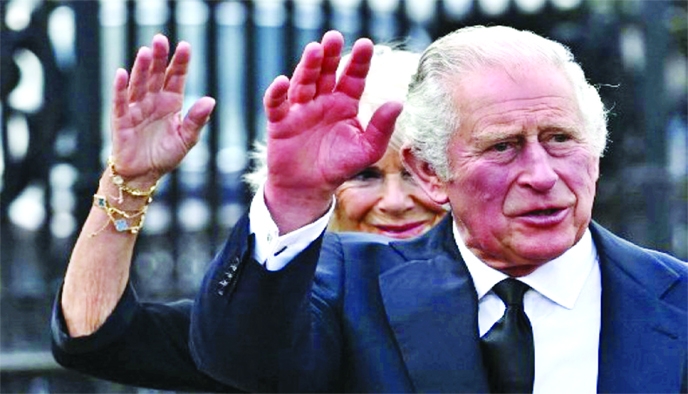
(274,251)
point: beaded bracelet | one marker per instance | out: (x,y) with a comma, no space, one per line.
(123,187)
(120,218)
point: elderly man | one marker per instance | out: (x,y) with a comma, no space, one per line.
(517,291)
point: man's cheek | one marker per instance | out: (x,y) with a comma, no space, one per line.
(490,185)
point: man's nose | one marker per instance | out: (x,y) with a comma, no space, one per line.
(396,195)
(538,172)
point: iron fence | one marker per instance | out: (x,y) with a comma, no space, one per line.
(59,57)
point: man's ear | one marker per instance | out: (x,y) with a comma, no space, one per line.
(425,175)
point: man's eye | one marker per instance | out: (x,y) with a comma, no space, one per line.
(501,147)
(561,137)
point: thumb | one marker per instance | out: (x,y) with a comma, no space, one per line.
(196,118)
(381,126)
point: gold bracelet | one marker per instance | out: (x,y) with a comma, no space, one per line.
(120,218)
(123,187)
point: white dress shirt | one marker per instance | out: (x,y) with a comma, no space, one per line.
(564,305)
(273,251)
(564,308)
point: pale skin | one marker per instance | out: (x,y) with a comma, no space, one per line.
(149,139)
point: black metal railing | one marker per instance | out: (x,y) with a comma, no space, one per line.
(58,60)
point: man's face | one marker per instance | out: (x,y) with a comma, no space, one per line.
(523,177)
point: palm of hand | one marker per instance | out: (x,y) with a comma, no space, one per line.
(315,140)
(321,141)
(148,137)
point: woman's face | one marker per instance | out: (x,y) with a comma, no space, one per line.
(385,199)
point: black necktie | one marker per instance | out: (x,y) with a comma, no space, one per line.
(507,347)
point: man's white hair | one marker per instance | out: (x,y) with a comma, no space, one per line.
(431,114)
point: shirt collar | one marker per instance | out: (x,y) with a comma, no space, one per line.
(561,280)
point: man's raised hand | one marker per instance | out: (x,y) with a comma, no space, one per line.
(314,138)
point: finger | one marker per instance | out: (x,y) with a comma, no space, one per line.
(332,43)
(161,49)
(175,76)
(352,80)
(120,99)
(381,127)
(139,74)
(195,119)
(275,99)
(305,77)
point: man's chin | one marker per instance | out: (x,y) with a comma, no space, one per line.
(540,252)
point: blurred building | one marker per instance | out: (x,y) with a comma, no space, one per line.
(58,61)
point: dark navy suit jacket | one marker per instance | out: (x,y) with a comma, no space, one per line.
(140,344)
(355,312)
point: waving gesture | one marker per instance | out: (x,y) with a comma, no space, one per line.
(315,140)
(149,135)
(149,139)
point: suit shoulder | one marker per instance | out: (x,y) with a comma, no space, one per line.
(680,266)
(610,243)
(657,272)
(350,247)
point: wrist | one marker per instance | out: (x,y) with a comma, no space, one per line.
(118,197)
(141,186)
(124,201)
(293,209)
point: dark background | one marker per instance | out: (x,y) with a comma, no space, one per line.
(58,59)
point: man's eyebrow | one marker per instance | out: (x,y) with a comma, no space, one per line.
(572,129)
(507,131)
(498,132)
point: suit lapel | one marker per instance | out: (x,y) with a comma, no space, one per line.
(431,305)
(636,321)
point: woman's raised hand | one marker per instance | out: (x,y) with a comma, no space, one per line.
(149,135)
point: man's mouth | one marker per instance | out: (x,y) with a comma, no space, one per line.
(543,212)
(544,217)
